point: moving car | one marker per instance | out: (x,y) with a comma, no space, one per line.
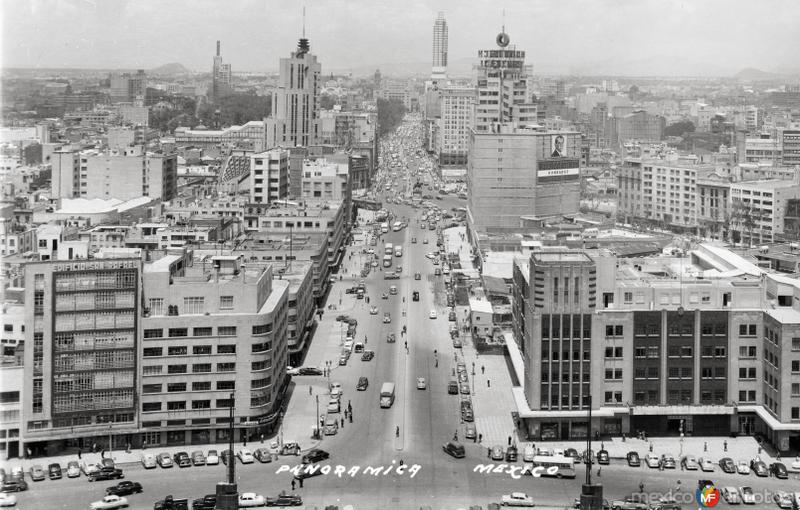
(198,459)
(54,471)
(246,456)
(106,473)
(284,499)
(451,316)
(207,502)
(373,310)
(310,371)
(632,502)
(415,296)
(124,488)
(331,426)
(164,460)
(731,495)
(454,449)
(782,499)
(387,318)
(14,485)
(74,470)
(368,355)
(748,497)
(706,465)
(7,499)
(262,455)
(727,465)
(212,458)
(421,385)
(363,382)
(250,499)
(516,499)
(37,473)
(417,276)
(110,502)
(315,455)
(308,471)
(452,388)
(432,315)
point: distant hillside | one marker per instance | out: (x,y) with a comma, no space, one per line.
(171,69)
(752,74)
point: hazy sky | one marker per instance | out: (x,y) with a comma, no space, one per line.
(611,36)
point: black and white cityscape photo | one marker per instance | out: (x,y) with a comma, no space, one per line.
(399,254)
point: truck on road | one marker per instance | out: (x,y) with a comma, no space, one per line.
(387,394)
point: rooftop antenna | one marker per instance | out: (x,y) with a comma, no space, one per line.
(304,22)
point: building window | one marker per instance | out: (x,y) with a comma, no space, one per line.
(226,331)
(201,368)
(224,403)
(201,386)
(795,366)
(747,351)
(226,302)
(151,406)
(153,333)
(748,329)
(178,332)
(176,369)
(201,404)
(194,305)
(202,331)
(151,388)
(796,413)
(745,372)
(201,349)
(173,387)
(226,367)
(156,306)
(796,344)
(151,351)
(177,350)
(226,349)
(226,385)
(176,406)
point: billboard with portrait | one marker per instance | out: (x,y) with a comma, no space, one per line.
(558,146)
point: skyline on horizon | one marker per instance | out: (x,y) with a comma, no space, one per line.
(673,37)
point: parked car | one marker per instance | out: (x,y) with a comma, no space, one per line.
(452,388)
(603,458)
(262,455)
(363,382)
(727,465)
(246,456)
(109,503)
(633,459)
(778,470)
(652,460)
(198,459)
(421,384)
(454,449)
(14,485)
(573,454)
(124,488)
(212,458)
(284,499)
(333,406)
(207,502)
(517,499)
(748,497)
(331,426)
(432,314)
(226,456)
(464,388)
(731,495)
(706,465)
(54,471)
(466,411)
(668,461)
(742,467)
(631,502)
(164,460)
(7,499)
(470,432)
(251,499)
(182,459)
(73,469)
(782,499)
(511,454)
(37,473)
(498,453)
(689,463)
(759,467)
(315,455)
(149,461)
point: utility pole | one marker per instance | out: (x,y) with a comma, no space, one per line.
(591,494)
(227,492)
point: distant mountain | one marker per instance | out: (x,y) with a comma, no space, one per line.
(171,69)
(752,74)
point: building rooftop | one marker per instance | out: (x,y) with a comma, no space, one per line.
(765,184)
(561,256)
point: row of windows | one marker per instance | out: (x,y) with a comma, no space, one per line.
(184,332)
(182,350)
(202,368)
(180,405)
(196,386)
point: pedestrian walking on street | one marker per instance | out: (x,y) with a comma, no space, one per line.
(483,369)
(488,383)
(301,483)
(598,471)
(509,440)
(310,390)
(292,483)
(79,453)
(342,422)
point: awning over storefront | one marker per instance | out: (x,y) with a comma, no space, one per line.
(515,355)
(770,420)
(681,410)
(526,412)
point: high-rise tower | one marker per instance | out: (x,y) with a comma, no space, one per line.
(439,71)
(296,98)
(221,77)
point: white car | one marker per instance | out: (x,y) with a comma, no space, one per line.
(517,499)
(148,461)
(387,318)
(432,315)
(248,499)
(110,502)
(782,499)
(431,256)
(424,241)
(731,495)
(333,406)
(7,499)
(336,386)
(796,464)
(373,310)
(748,497)
(652,460)
(706,465)
(370,251)
(743,467)
(88,468)
(246,456)
(421,385)
(212,458)
(292,371)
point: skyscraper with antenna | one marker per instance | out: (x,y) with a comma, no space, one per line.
(220,77)
(295,102)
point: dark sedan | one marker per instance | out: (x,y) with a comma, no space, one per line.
(54,471)
(284,499)
(633,459)
(106,473)
(759,467)
(727,465)
(315,455)
(124,488)
(603,458)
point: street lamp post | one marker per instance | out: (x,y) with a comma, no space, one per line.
(316,423)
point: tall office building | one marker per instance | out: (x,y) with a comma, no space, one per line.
(457,107)
(269,176)
(221,77)
(502,81)
(296,98)
(127,87)
(439,71)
